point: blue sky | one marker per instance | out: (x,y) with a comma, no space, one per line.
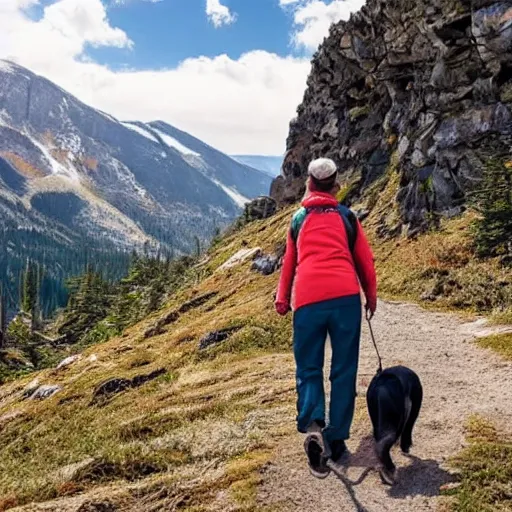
(231,72)
(167,32)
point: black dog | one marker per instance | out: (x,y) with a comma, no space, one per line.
(394,401)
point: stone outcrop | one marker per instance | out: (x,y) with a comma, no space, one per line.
(423,84)
(107,389)
(216,337)
(260,208)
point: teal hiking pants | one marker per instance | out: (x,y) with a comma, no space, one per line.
(341,319)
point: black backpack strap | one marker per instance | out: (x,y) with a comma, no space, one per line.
(350,220)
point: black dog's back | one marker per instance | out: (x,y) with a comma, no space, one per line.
(394,400)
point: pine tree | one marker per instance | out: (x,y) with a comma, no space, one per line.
(493,231)
(30,292)
(2,318)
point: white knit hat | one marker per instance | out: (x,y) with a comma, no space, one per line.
(322,168)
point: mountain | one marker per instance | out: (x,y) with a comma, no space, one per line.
(80,178)
(268,164)
(419,102)
(125,179)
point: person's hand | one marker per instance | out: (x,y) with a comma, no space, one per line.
(282,308)
(371,307)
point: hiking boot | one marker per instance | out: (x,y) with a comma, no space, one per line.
(338,450)
(316,426)
(314,448)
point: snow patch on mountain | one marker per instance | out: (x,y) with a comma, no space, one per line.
(140,131)
(127,177)
(57,168)
(238,198)
(4,116)
(173,143)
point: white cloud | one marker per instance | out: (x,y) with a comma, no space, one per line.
(61,35)
(312,18)
(219,14)
(126,2)
(240,106)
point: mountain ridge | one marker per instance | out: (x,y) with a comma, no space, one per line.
(66,138)
(66,167)
(269,164)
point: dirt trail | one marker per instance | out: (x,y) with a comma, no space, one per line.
(459,379)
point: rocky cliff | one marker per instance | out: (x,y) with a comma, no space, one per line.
(422,88)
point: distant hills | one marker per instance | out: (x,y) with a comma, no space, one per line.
(268,164)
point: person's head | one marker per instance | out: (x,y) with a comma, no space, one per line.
(323,175)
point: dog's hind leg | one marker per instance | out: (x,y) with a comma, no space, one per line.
(387,431)
(416,399)
(387,470)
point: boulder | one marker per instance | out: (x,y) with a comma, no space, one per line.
(266,264)
(44,392)
(68,361)
(240,257)
(260,208)
(30,388)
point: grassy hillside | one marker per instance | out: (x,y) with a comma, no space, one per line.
(197,434)
(199,417)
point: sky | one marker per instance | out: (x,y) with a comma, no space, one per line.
(231,72)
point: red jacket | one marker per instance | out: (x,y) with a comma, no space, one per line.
(320,266)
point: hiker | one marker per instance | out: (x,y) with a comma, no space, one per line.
(327,256)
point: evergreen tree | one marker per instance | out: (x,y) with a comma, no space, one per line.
(89,303)
(198,246)
(31,292)
(2,318)
(493,231)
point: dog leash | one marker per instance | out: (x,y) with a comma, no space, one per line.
(368,319)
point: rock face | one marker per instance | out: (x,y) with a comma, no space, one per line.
(260,208)
(46,391)
(424,85)
(240,257)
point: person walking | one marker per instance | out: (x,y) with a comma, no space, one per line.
(327,261)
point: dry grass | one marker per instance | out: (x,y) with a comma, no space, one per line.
(502,316)
(439,268)
(212,406)
(501,343)
(23,167)
(485,467)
